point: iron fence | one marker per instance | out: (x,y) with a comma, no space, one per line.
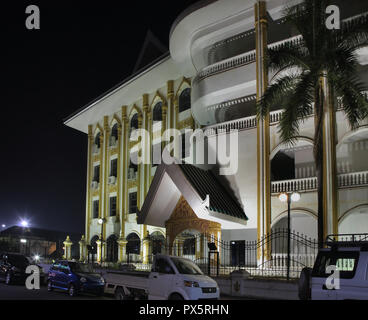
(267,257)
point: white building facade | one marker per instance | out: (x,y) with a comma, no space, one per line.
(211,80)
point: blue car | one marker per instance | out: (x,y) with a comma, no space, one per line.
(75,277)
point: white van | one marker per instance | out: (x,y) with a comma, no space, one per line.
(171,278)
(350,259)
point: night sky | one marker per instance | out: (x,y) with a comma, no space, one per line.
(80,52)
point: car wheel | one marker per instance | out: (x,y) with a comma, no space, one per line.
(304,290)
(120,294)
(49,286)
(8,278)
(72,290)
(176,296)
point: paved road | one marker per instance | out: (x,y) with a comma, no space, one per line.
(19,292)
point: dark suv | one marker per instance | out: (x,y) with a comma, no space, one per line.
(13,267)
(75,278)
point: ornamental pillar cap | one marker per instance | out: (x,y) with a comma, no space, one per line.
(68,241)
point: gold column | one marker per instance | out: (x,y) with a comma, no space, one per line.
(100,203)
(139,167)
(147,127)
(106,166)
(124,195)
(89,177)
(263,133)
(118,182)
(171,107)
(330,185)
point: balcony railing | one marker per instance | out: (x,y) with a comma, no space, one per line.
(305,184)
(346,180)
(242,59)
(239,124)
(353,179)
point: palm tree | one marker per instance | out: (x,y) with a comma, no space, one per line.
(322,67)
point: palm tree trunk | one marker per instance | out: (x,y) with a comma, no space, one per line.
(318,158)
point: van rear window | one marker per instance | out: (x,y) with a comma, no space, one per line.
(345,262)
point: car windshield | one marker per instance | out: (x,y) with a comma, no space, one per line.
(18,260)
(81,267)
(186,266)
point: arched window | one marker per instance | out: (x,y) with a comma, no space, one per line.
(134,244)
(112,249)
(157,112)
(114,134)
(134,122)
(184,100)
(158,242)
(189,246)
(97,140)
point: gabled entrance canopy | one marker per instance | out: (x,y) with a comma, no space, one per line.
(206,196)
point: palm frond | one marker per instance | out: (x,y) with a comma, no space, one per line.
(354,33)
(275,93)
(297,108)
(354,102)
(287,56)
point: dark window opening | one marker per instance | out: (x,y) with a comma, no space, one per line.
(98,140)
(283,166)
(184,100)
(112,206)
(114,168)
(95,209)
(132,202)
(189,246)
(134,244)
(114,135)
(96,174)
(112,249)
(134,122)
(157,112)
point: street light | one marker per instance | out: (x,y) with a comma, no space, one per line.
(24,223)
(289,197)
(3,226)
(101,222)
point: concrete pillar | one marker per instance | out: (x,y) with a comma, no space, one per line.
(68,249)
(82,249)
(122,250)
(146,250)
(100,249)
(198,251)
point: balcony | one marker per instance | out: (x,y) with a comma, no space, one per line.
(347,180)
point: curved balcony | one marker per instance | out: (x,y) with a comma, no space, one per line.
(354,179)
(227,80)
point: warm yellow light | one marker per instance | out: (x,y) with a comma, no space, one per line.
(283,197)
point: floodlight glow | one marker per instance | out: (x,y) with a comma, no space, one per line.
(295,197)
(24,223)
(3,225)
(36,257)
(23,241)
(283,197)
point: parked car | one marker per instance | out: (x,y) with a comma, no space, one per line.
(75,278)
(350,258)
(13,268)
(171,278)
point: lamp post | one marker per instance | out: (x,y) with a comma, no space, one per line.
(101,222)
(289,197)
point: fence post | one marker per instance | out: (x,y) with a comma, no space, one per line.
(209,264)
